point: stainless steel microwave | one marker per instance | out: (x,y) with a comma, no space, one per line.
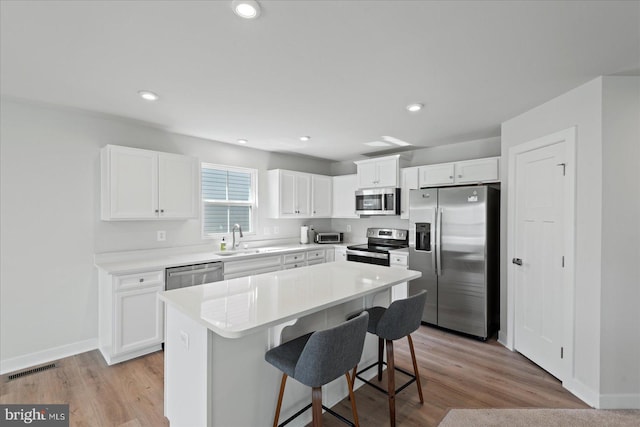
(378,201)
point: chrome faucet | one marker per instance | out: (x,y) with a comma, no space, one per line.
(233,233)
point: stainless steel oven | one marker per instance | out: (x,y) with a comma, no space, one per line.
(379,242)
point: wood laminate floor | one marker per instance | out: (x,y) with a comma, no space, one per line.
(456,372)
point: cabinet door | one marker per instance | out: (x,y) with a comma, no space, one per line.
(341,253)
(321,196)
(178,186)
(303,195)
(367,175)
(387,173)
(436,175)
(409,182)
(287,194)
(482,170)
(138,319)
(133,183)
(344,196)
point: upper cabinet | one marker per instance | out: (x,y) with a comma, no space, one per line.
(409,178)
(344,196)
(321,196)
(299,195)
(143,184)
(379,172)
(465,172)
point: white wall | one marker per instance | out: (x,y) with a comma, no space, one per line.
(583,108)
(620,328)
(50,217)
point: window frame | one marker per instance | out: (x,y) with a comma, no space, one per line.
(252,203)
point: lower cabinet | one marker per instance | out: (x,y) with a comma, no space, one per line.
(340,253)
(131,317)
(399,260)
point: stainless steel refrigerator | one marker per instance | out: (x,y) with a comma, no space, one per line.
(457,249)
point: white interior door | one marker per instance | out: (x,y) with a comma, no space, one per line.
(539,255)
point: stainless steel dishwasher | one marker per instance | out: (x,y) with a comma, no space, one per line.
(192,275)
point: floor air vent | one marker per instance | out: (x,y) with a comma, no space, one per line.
(31,371)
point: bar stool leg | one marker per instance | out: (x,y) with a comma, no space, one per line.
(352,397)
(391,383)
(316,406)
(415,368)
(380,353)
(279,405)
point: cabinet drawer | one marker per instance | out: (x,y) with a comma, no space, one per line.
(317,254)
(249,265)
(296,257)
(315,261)
(294,265)
(398,260)
(138,280)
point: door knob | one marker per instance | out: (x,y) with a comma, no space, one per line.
(517,261)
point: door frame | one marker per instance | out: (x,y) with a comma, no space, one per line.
(568,136)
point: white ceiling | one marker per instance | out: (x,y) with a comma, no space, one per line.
(339,71)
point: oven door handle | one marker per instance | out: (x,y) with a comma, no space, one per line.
(366,254)
(195,271)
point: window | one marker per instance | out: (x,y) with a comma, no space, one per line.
(228,198)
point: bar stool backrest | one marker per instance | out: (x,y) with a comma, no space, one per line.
(402,317)
(330,353)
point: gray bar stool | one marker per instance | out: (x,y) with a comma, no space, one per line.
(317,359)
(390,324)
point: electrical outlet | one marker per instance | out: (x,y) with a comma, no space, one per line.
(348,228)
(162,236)
(276,230)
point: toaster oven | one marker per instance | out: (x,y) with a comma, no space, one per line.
(328,237)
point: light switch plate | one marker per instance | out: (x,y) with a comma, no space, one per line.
(184,339)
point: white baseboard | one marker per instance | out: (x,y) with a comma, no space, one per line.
(582,392)
(45,356)
(619,401)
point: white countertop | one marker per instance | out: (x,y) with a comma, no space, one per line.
(135,261)
(237,307)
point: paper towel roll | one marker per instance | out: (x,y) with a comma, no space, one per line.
(304,234)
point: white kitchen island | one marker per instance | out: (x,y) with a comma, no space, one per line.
(217,334)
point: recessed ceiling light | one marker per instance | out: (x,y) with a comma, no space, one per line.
(248,9)
(242,141)
(415,107)
(148,95)
(305,138)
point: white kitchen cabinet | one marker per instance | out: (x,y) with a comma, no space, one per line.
(143,184)
(131,317)
(294,260)
(409,178)
(340,253)
(321,196)
(379,173)
(290,194)
(399,259)
(464,172)
(344,196)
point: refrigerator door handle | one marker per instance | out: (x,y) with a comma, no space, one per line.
(432,242)
(439,242)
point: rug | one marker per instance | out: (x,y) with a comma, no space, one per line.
(541,418)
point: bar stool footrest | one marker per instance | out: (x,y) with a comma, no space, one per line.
(376,386)
(297,414)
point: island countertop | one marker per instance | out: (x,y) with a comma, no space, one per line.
(237,307)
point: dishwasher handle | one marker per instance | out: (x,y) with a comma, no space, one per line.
(191,272)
